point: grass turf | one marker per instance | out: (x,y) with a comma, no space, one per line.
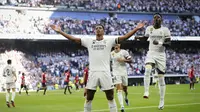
(178,99)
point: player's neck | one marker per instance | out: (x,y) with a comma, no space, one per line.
(157,26)
(99,37)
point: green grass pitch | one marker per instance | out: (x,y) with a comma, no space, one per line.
(178,99)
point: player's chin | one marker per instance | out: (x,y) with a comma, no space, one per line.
(158,22)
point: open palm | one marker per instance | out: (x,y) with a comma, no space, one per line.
(140,25)
(56,28)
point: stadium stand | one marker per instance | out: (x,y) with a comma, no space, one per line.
(169,6)
(14,22)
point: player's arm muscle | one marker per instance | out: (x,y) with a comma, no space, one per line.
(188,73)
(70,37)
(84,76)
(128,35)
(128,60)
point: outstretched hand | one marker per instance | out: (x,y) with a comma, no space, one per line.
(55,28)
(140,25)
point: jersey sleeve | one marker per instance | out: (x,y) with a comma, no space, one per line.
(167,33)
(126,54)
(114,40)
(85,41)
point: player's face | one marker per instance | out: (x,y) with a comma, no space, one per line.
(157,19)
(117,48)
(99,30)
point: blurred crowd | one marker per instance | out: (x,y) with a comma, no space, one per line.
(166,6)
(116,26)
(22,24)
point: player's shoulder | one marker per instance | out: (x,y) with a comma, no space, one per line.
(112,52)
(110,37)
(87,38)
(123,51)
(165,28)
(149,27)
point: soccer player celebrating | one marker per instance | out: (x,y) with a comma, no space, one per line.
(192,77)
(66,83)
(85,77)
(159,38)
(99,49)
(9,73)
(119,59)
(43,83)
(23,85)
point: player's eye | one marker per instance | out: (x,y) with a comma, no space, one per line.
(98,28)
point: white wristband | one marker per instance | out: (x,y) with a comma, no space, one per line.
(160,43)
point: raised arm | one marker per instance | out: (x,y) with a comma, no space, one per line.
(128,35)
(145,36)
(58,30)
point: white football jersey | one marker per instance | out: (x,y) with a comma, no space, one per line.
(8,73)
(99,52)
(120,67)
(157,34)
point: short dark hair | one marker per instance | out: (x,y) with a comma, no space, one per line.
(100,25)
(9,61)
(157,14)
(23,74)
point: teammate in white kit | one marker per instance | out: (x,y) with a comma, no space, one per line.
(9,73)
(99,49)
(159,38)
(119,59)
